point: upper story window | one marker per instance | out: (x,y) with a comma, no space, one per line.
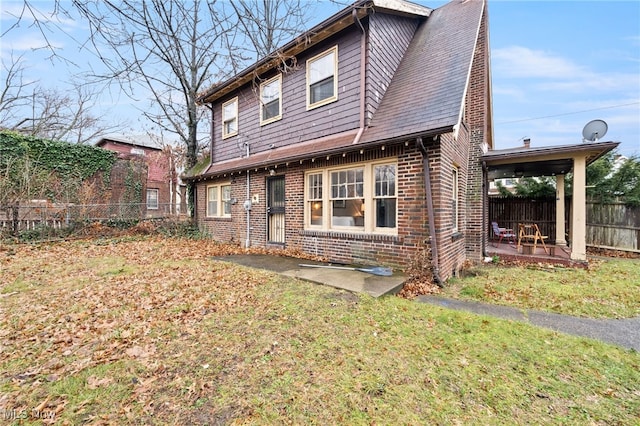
(230,118)
(322,78)
(271,100)
(137,151)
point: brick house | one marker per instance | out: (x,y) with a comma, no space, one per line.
(323,146)
(157,189)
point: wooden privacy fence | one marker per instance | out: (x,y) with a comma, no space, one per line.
(613,225)
(609,225)
(510,211)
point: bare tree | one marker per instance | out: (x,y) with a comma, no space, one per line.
(58,114)
(66,116)
(268,24)
(170,50)
(14,96)
(174,50)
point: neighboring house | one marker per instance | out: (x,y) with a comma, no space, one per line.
(158,191)
(508,183)
(323,146)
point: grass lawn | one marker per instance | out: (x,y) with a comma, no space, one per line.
(153,331)
(608,289)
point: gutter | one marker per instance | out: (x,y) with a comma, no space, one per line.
(430,212)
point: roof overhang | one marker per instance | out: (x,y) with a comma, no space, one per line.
(542,161)
(324,147)
(123,140)
(315,35)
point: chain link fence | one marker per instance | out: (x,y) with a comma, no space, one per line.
(47,219)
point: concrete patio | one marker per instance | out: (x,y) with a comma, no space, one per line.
(354,281)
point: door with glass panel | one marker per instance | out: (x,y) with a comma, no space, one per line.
(275,210)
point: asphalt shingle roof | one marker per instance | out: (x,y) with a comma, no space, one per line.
(428,88)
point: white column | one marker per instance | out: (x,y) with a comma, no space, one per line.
(560,211)
(578,212)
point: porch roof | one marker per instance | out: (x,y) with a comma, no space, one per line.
(541,161)
(282,155)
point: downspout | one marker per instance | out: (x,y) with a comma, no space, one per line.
(363,46)
(430,213)
(247,205)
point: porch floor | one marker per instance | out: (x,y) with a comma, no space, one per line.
(508,251)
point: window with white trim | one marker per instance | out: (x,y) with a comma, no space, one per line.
(219,200)
(322,78)
(347,197)
(230,118)
(314,198)
(271,100)
(226,199)
(385,195)
(335,198)
(152,199)
(454,198)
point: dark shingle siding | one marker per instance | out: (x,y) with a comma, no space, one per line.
(389,37)
(297,124)
(427,90)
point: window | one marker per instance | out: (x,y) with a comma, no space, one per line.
(219,201)
(347,197)
(152,199)
(322,82)
(212,201)
(385,195)
(226,200)
(271,100)
(137,151)
(314,198)
(230,118)
(454,200)
(336,198)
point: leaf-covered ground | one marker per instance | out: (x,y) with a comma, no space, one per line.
(153,331)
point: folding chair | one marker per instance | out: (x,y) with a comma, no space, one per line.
(503,233)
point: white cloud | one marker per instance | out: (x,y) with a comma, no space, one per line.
(29,42)
(522,62)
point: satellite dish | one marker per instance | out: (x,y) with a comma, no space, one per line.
(594,130)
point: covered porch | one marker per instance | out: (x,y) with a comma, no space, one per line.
(554,254)
(557,162)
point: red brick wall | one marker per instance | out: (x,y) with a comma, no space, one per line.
(337,246)
(158,171)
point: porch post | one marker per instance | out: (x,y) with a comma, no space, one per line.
(578,212)
(560,211)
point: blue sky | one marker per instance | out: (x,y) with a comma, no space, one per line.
(556,65)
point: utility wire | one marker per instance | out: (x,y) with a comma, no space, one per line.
(568,113)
